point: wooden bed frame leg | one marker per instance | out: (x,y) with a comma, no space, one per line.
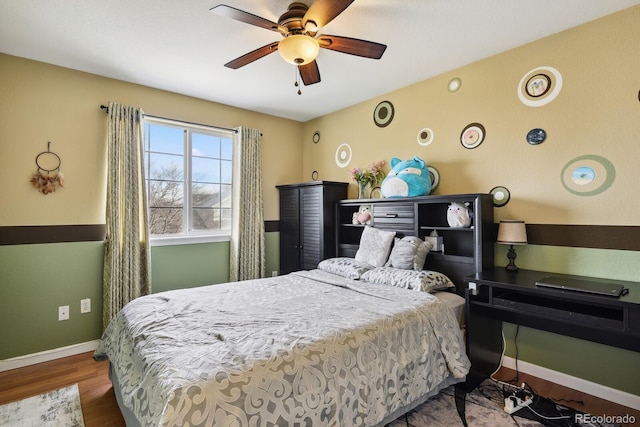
(461,398)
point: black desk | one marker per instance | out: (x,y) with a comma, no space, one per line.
(501,295)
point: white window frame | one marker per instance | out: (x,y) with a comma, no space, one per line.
(189,236)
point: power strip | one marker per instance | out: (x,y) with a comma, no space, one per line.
(517,401)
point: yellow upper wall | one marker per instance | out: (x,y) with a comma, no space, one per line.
(597,112)
(42,102)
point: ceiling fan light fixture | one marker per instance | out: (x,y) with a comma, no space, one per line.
(311,26)
(299,49)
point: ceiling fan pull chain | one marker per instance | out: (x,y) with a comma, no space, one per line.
(297,83)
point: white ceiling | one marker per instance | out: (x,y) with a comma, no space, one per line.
(179,46)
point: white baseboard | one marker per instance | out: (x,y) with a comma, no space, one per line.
(607,393)
(45,356)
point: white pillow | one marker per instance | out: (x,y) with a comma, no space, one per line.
(409,253)
(375,245)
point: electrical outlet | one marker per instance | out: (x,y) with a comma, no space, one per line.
(274,273)
(85,305)
(63,312)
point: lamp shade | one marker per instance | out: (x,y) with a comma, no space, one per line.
(512,232)
(298,49)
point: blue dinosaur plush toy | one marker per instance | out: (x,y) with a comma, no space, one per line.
(408,178)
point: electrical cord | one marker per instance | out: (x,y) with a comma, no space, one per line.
(504,348)
(562,417)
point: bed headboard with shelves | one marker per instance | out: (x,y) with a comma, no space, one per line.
(466,250)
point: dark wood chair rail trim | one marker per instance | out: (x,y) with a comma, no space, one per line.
(32,234)
(619,237)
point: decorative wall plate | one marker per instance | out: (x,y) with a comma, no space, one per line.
(316,137)
(588,175)
(375,193)
(343,155)
(472,135)
(536,136)
(454,84)
(314,175)
(435,177)
(501,196)
(383,114)
(539,86)
(425,136)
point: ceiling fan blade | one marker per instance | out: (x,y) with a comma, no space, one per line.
(247,18)
(310,73)
(351,46)
(252,56)
(321,12)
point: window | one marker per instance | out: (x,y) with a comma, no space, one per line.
(189,178)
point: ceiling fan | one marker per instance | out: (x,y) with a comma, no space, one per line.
(299,26)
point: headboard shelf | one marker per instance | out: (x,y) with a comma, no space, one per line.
(467,250)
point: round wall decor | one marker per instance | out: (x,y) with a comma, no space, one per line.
(316,137)
(536,136)
(383,114)
(454,84)
(314,175)
(539,86)
(343,155)
(501,196)
(588,175)
(425,136)
(375,193)
(435,177)
(472,135)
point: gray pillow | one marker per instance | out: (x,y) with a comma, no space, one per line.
(375,245)
(345,267)
(423,281)
(409,253)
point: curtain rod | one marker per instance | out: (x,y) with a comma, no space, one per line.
(106,109)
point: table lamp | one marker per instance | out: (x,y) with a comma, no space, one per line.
(512,232)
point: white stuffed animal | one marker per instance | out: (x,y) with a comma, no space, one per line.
(458,215)
(363,216)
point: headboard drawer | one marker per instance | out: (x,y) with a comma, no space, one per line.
(396,216)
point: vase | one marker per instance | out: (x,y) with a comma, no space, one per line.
(362,191)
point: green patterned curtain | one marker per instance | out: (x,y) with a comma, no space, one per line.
(247,235)
(127,269)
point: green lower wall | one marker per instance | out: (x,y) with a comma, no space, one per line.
(187,266)
(613,367)
(36,279)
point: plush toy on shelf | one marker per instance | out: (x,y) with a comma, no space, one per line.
(458,215)
(408,178)
(363,216)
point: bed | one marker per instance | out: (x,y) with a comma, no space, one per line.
(357,341)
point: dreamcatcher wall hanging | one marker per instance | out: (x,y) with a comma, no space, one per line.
(48,177)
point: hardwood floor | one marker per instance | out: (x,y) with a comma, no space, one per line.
(100,408)
(569,397)
(99,405)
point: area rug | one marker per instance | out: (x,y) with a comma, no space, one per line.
(58,408)
(485,407)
